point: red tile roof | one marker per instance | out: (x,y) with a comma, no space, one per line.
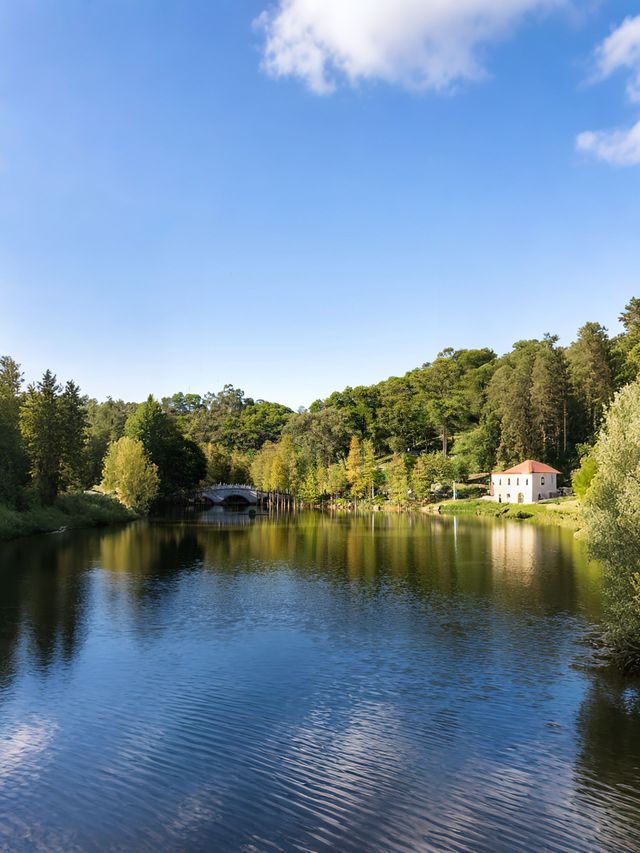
(530,467)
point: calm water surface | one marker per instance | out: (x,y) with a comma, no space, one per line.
(310,683)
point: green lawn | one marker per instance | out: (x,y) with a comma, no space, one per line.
(560,511)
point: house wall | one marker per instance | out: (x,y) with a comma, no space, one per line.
(532,487)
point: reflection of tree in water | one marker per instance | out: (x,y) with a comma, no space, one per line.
(520,566)
(43,595)
(608,762)
(154,558)
(44,581)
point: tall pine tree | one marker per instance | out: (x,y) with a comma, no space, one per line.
(42,431)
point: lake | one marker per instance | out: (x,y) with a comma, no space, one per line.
(310,682)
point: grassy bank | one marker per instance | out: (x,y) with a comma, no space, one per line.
(70,511)
(564,511)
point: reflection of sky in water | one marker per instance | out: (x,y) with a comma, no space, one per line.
(395,683)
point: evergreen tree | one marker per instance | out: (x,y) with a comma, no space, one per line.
(509,399)
(628,344)
(42,430)
(549,401)
(591,375)
(10,378)
(13,461)
(73,425)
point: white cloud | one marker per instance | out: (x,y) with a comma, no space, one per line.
(619,147)
(423,44)
(621,50)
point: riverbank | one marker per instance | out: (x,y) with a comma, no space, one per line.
(69,511)
(564,512)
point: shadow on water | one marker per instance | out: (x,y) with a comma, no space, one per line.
(230,679)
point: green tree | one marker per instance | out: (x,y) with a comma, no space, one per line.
(444,399)
(181,462)
(311,487)
(550,401)
(73,426)
(431,470)
(130,475)
(14,467)
(284,468)
(105,424)
(337,481)
(42,430)
(355,468)
(398,480)
(627,345)
(369,468)
(591,374)
(509,401)
(218,463)
(584,476)
(612,520)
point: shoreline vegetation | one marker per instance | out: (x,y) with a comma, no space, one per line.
(68,512)
(562,512)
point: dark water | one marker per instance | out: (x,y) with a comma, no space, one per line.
(309,683)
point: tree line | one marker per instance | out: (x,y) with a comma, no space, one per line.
(467,411)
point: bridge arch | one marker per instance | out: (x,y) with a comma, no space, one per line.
(225,494)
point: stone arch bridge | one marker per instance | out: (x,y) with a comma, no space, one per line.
(223,493)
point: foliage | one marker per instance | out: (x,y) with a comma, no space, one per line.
(583,477)
(398,488)
(613,522)
(14,465)
(431,470)
(105,424)
(67,511)
(592,376)
(180,461)
(130,475)
(53,426)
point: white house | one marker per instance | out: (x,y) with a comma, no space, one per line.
(526,483)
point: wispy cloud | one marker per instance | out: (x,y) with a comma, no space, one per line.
(413,43)
(619,51)
(619,147)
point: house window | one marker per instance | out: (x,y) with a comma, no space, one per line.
(518,481)
(526,482)
(542,481)
(500,481)
(509,481)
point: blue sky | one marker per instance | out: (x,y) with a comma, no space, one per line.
(192,194)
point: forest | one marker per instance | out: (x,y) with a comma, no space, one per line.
(466,412)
